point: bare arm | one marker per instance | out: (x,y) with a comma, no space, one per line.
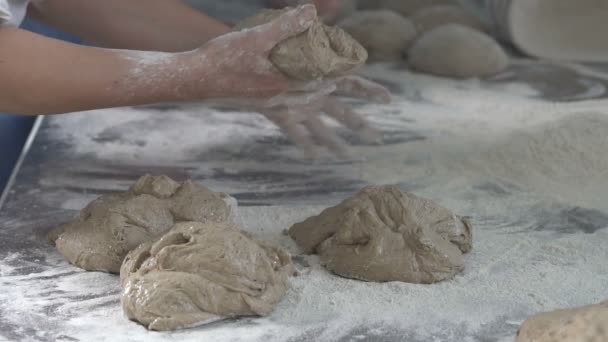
(46,76)
(160,25)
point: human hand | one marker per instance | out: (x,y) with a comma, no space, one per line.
(299,115)
(236,65)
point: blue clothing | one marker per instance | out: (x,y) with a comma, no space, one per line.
(15,129)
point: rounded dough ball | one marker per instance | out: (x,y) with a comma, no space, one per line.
(432,17)
(404,7)
(385,34)
(457,51)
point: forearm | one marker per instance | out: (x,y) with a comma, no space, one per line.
(159,25)
(46,76)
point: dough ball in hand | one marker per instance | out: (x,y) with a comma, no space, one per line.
(457,51)
(320,52)
(385,34)
(435,16)
(382,234)
(584,324)
(112,225)
(198,273)
(403,7)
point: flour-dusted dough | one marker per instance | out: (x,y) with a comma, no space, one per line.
(404,7)
(320,52)
(583,324)
(435,16)
(383,234)
(385,34)
(197,273)
(457,51)
(112,225)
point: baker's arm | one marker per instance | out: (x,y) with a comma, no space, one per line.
(161,25)
(46,76)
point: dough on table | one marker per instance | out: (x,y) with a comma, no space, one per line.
(385,34)
(583,324)
(320,52)
(403,7)
(457,51)
(112,225)
(382,234)
(198,273)
(435,16)
(344,10)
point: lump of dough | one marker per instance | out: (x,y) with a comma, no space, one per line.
(320,52)
(432,17)
(385,34)
(112,225)
(198,273)
(584,324)
(403,7)
(383,234)
(457,51)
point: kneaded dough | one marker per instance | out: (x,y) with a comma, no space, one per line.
(403,7)
(198,273)
(385,34)
(320,52)
(457,51)
(112,225)
(435,16)
(383,234)
(584,324)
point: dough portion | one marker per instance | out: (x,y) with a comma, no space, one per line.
(435,16)
(112,225)
(457,51)
(383,234)
(583,324)
(197,273)
(320,52)
(403,7)
(385,34)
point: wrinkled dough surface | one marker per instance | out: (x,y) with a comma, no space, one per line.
(112,225)
(403,7)
(583,324)
(457,51)
(383,234)
(385,34)
(320,52)
(197,273)
(435,16)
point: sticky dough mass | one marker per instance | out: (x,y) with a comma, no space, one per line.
(383,234)
(199,273)
(112,225)
(320,52)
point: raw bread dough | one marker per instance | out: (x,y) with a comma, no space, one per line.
(320,52)
(383,234)
(112,225)
(385,34)
(457,51)
(432,17)
(403,7)
(583,324)
(197,273)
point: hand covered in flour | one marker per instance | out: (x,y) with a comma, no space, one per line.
(299,114)
(236,65)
